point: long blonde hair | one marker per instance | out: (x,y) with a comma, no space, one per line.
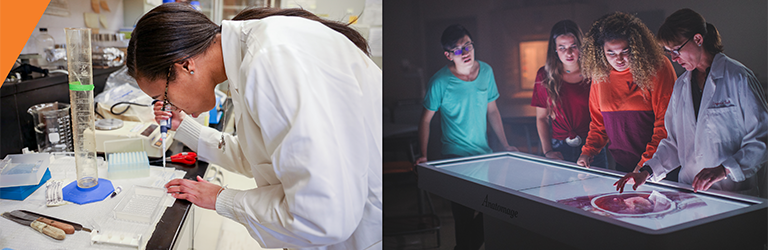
(645,54)
(553,65)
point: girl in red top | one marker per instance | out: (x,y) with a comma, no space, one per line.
(561,97)
(632,82)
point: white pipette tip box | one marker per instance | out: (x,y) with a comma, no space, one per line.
(126,158)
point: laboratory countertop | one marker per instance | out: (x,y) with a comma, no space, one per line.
(169,227)
(164,235)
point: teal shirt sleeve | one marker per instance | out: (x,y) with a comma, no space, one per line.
(434,96)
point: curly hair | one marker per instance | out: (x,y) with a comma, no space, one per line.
(645,54)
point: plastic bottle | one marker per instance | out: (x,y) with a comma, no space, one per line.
(45,44)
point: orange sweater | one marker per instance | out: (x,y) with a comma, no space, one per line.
(633,123)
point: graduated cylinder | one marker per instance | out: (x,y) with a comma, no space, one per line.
(81,100)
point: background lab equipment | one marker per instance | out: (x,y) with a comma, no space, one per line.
(125,112)
(17,97)
(530,201)
(53,130)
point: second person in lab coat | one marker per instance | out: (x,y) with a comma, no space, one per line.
(717,121)
(307,107)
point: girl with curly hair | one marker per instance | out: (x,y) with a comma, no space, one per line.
(631,85)
(561,97)
(717,120)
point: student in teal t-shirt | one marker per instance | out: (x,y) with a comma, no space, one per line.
(465,93)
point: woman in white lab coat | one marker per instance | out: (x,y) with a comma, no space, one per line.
(717,119)
(307,103)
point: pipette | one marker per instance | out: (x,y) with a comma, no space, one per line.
(164,124)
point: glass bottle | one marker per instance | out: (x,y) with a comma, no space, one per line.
(45,44)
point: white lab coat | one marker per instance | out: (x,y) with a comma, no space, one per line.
(731,129)
(307,105)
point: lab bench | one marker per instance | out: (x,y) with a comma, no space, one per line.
(166,234)
(168,230)
(16,126)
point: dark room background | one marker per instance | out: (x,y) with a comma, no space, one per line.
(412,52)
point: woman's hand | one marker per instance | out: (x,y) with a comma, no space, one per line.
(584,160)
(708,176)
(160,115)
(554,155)
(200,192)
(629,178)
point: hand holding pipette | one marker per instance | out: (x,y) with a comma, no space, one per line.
(161,115)
(164,116)
(165,124)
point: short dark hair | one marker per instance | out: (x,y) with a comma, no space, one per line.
(452,34)
(684,24)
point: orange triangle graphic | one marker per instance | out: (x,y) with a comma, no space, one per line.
(17,21)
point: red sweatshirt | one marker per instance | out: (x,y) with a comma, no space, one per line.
(633,123)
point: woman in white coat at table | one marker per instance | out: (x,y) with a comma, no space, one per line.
(307,108)
(717,118)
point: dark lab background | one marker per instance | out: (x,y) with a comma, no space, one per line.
(509,36)
(501,28)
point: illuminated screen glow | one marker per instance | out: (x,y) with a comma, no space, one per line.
(576,187)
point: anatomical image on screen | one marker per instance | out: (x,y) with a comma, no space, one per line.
(636,204)
(652,206)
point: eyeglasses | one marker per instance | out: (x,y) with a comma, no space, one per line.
(677,51)
(167,105)
(466,48)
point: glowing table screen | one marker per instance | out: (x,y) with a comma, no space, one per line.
(576,187)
